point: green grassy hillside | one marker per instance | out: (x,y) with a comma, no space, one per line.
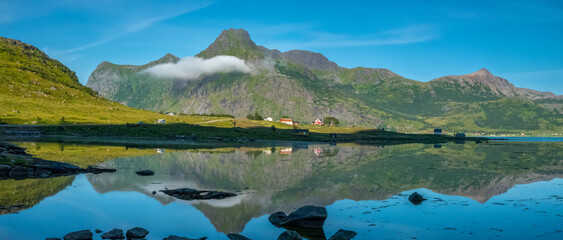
(39,90)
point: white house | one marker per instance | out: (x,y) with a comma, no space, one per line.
(161,121)
(269,119)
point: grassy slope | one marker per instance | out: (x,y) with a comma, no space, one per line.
(39,90)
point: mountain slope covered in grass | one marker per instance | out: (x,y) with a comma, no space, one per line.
(39,90)
(306,85)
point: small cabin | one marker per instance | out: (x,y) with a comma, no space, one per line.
(286,151)
(301,132)
(161,121)
(170,114)
(286,121)
(295,123)
(318,122)
(268,119)
(437,131)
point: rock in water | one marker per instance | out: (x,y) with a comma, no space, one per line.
(290,235)
(192,194)
(276,218)
(174,237)
(137,232)
(306,217)
(416,198)
(114,234)
(79,235)
(343,235)
(236,236)
(98,231)
(145,173)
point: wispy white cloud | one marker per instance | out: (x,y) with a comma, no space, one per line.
(406,35)
(191,68)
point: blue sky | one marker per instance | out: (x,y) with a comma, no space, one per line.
(517,40)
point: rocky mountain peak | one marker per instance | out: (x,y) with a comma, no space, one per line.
(233,42)
(482,72)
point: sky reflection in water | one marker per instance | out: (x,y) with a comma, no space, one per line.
(378,207)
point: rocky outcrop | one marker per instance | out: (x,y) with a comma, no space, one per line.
(236,236)
(145,172)
(136,232)
(416,199)
(290,235)
(15,163)
(79,235)
(306,217)
(114,234)
(192,194)
(343,235)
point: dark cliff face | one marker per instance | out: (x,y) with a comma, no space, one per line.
(306,85)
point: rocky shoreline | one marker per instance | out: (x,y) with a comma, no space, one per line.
(16,163)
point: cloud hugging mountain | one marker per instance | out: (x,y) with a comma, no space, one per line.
(236,76)
(191,68)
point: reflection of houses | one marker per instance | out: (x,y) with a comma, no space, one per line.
(268,119)
(318,151)
(160,150)
(301,132)
(437,131)
(267,151)
(286,121)
(286,151)
(318,122)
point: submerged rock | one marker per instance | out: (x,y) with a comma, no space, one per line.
(236,236)
(192,194)
(145,173)
(174,237)
(343,235)
(306,217)
(290,235)
(98,231)
(79,235)
(416,198)
(114,234)
(137,232)
(276,218)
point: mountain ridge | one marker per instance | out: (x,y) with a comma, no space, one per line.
(365,96)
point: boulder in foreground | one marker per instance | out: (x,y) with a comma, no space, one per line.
(306,217)
(114,234)
(416,198)
(290,235)
(236,236)
(79,235)
(145,173)
(343,235)
(137,232)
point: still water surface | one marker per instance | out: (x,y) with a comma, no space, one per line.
(499,190)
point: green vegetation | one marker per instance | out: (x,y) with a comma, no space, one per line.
(358,97)
(331,121)
(254,116)
(39,90)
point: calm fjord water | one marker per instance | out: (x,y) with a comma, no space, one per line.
(499,190)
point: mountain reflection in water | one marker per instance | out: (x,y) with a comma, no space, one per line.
(274,178)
